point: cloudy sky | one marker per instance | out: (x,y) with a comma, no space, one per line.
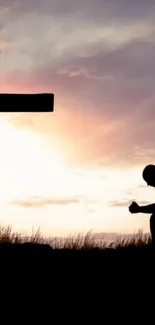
(80,167)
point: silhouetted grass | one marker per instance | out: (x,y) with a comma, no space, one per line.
(76,242)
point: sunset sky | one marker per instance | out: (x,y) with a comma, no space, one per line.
(79,167)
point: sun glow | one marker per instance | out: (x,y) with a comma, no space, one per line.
(27,163)
(33,169)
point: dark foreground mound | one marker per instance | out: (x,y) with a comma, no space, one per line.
(32,258)
(91,281)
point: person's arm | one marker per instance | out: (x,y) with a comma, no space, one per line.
(135,208)
(147,208)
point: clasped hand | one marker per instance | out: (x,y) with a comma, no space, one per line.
(134,207)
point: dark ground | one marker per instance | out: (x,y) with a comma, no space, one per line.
(39,259)
(89,281)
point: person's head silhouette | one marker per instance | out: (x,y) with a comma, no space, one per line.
(149,175)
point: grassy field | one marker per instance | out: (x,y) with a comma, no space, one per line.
(77,242)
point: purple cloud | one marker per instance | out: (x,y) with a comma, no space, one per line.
(98,59)
(100,9)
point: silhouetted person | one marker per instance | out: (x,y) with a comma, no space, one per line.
(149,177)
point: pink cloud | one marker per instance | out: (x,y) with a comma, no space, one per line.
(42,202)
(3,45)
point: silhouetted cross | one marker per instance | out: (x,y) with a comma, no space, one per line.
(42,102)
